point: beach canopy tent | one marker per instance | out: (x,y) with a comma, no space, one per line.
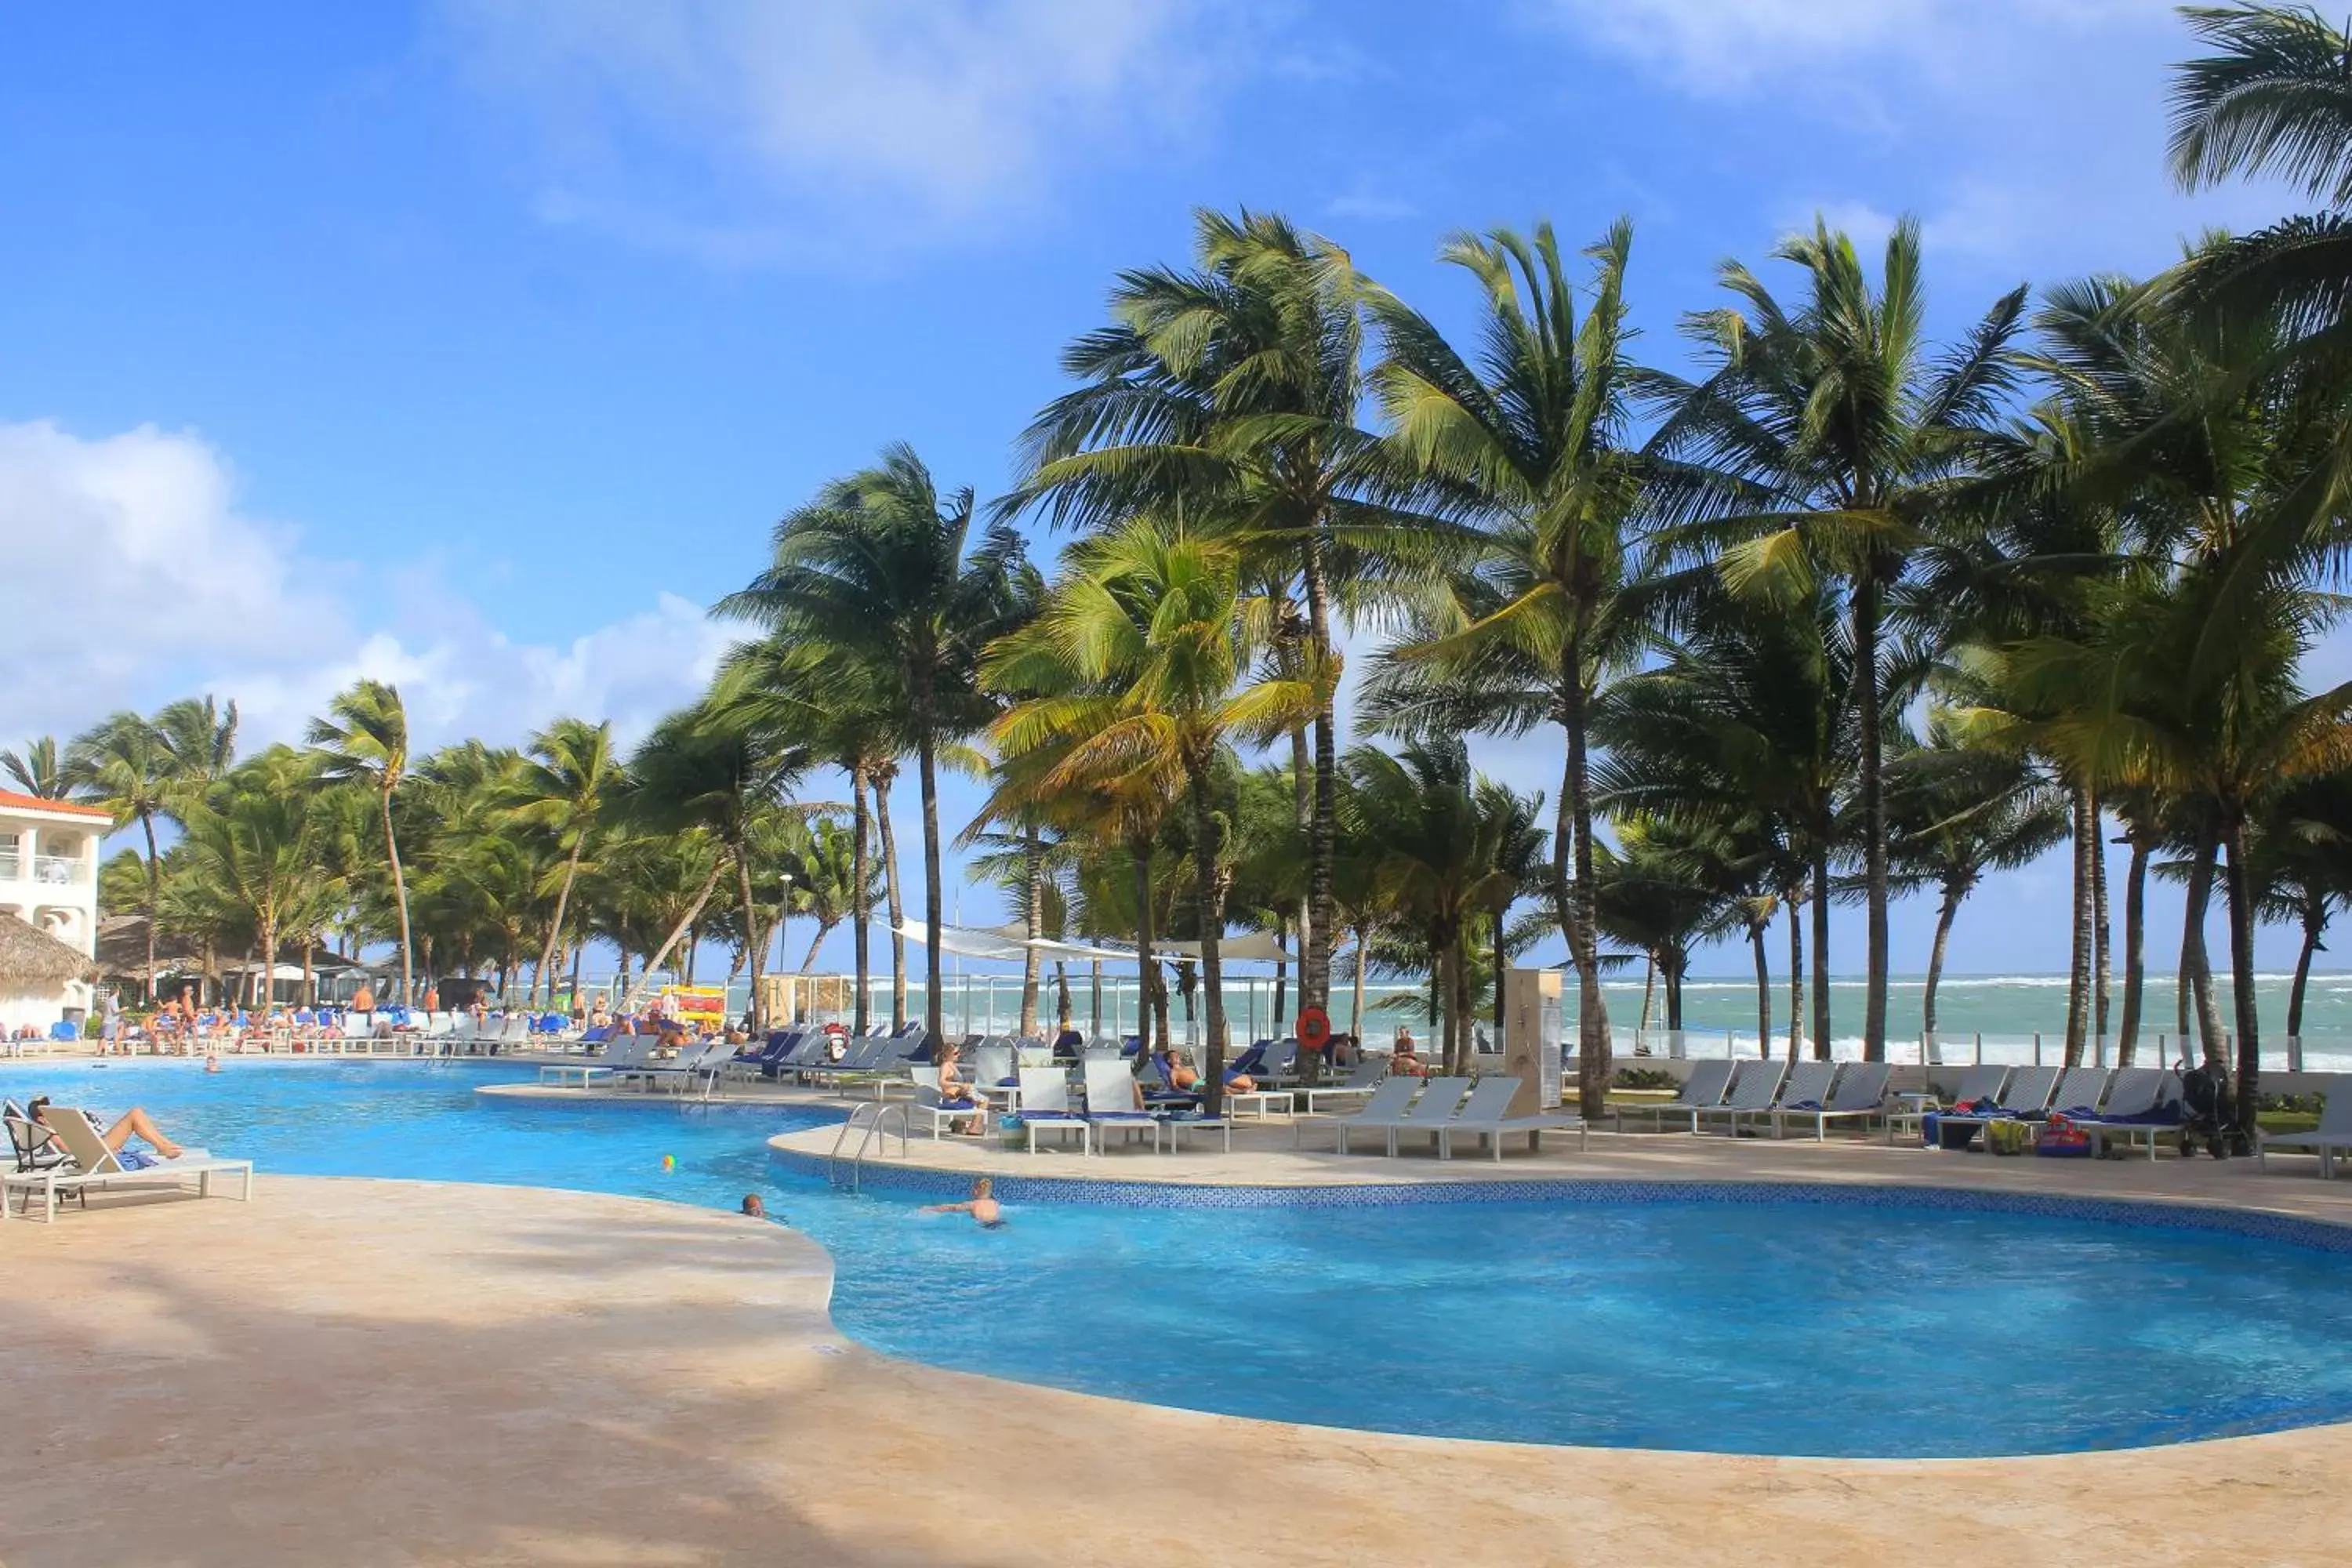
(1006,944)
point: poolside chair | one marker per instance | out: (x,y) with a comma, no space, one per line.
(1392,1096)
(28,1142)
(1860,1092)
(1440,1098)
(2026,1095)
(1806,1085)
(1359,1084)
(942,1116)
(1279,1061)
(2079,1092)
(2333,1132)
(2141,1102)
(621,1058)
(1754,1088)
(90,1163)
(1486,1116)
(1699,1092)
(1045,1106)
(1110,1103)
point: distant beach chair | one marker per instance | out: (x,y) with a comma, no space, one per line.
(1111,1102)
(2026,1095)
(1860,1093)
(1359,1084)
(1754,1088)
(1486,1115)
(1388,1101)
(1436,1106)
(2142,1102)
(1703,1090)
(2333,1132)
(1045,1108)
(2080,1091)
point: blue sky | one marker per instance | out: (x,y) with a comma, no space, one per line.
(477,344)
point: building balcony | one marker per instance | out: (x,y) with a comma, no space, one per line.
(45,870)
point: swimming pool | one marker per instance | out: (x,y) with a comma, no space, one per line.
(1781,1328)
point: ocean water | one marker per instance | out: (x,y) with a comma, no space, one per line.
(1732,1328)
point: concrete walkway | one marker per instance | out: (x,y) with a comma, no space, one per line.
(374,1373)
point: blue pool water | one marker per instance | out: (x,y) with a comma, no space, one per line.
(1773,1327)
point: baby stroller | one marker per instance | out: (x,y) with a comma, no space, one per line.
(2209,1112)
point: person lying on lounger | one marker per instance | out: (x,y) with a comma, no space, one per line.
(981,1206)
(1178,1075)
(1238,1082)
(134,1123)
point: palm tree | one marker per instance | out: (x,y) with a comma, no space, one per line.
(201,737)
(121,764)
(1957,813)
(567,787)
(823,867)
(252,836)
(37,769)
(880,570)
(1231,389)
(1662,891)
(1136,663)
(1527,443)
(363,739)
(2303,869)
(1821,443)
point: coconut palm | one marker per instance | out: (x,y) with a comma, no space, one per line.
(880,570)
(38,769)
(1819,445)
(201,736)
(1136,666)
(2302,870)
(1232,388)
(1527,443)
(567,785)
(121,764)
(251,836)
(823,866)
(363,739)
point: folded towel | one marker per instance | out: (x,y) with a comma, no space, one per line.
(1803,1105)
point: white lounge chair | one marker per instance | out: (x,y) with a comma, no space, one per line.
(1702,1090)
(1392,1097)
(1486,1115)
(2130,1114)
(1045,1108)
(1982,1082)
(2026,1094)
(1755,1091)
(1359,1084)
(2333,1132)
(93,1164)
(2080,1091)
(1110,1103)
(1439,1100)
(623,1054)
(1860,1092)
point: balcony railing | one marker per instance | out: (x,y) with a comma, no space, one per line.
(57,870)
(11,866)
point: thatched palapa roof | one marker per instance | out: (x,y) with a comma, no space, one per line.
(31,959)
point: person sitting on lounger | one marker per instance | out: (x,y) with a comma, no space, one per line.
(958,1092)
(134,1123)
(1403,1058)
(1172,1069)
(981,1206)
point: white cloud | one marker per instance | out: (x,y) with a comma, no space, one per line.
(788,118)
(139,580)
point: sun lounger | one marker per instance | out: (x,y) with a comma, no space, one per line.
(1805,1084)
(1702,1090)
(1358,1085)
(1486,1115)
(1439,1100)
(1977,1083)
(2142,1102)
(1110,1103)
(620,1057)
(2079,1092)
(1045,1108)
(29,1144)
(1860,1092)
(2333,1132)
(1392,1097)
(2026,1096)
(1754,1088)
(90,1163)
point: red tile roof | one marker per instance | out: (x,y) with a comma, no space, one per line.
(11,801)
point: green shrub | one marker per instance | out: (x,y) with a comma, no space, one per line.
(1644,1077)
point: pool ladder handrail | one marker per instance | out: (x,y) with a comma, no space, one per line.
(871,1122)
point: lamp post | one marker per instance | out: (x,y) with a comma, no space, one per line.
(783,918)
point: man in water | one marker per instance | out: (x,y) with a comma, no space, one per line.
(983,1208)
(754,1206)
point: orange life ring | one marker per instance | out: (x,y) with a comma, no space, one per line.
(1314,1028)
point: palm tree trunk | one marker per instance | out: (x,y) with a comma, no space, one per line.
(1945,914)
(1874,828)
(1033,871)
(1208,890)
(562,901)
(677,933)
(1302,801)
(1502,918)
(2195,966)
(1574,893)
(861,901)
(934,901)
(2242,976)
(1756,933)
(2102,976)
(154,899)
(2314,922)
(1649,993)
(808,962)
(1356,1014)
(895,904)
(2078,968)
(1323,837)
(309,975)
(400,898)
(1821,1035)
(1796,981)
(2134,950)
(1464,1016)
(1673,971)
(755,941)
(1141,853)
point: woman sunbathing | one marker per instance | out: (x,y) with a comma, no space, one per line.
(134,1123)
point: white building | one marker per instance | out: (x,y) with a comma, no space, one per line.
(48,879)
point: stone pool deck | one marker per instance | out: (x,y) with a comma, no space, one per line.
(388,1373)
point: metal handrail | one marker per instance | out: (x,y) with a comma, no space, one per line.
(871,1122)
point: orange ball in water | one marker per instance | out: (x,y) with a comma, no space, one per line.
(669,1162)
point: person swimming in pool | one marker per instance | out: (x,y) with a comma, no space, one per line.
(983,1208)
(754,1206)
